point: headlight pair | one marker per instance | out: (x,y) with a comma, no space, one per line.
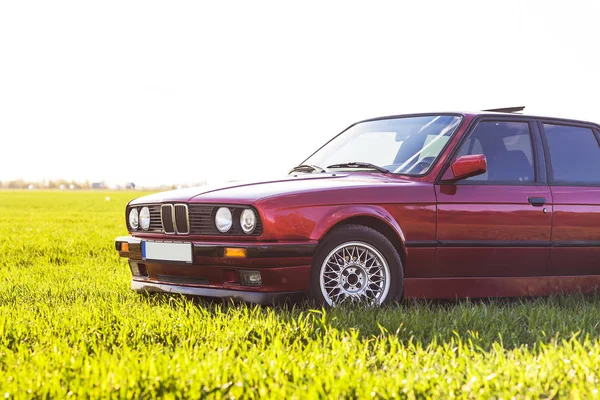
(224,220)
(139,220)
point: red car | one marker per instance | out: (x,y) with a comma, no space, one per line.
(439,205)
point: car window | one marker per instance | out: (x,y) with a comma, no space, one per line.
(574,154)
(507,148)
(377,147)
(433,146)
(381,147)
(403,145)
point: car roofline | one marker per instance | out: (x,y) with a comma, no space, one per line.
(481,114)
(423,114)
(463,114)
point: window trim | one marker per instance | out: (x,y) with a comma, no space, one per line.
(488,118)
(551,181)
(541,165)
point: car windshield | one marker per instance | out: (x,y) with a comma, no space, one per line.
(405,145)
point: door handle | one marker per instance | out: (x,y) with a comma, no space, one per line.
(537,201)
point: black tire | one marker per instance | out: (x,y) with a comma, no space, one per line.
(357,233)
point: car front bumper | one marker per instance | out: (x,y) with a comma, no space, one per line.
(284,270)
(266,298)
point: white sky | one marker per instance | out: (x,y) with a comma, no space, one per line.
(165,92)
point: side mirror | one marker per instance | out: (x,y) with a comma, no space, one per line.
(468,166)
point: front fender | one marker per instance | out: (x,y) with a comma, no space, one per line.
(311,223)
(343,213)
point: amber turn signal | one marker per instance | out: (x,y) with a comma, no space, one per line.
(125,246)
(233,252)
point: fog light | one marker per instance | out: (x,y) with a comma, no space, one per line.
(138,269)
(135,271)
(250,278)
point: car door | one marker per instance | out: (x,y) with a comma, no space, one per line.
(573,154)
(498,223)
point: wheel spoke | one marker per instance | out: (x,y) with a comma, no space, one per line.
(330,281)
(334,268)
(361,256)
(345,298)
(374,270)
(370,258)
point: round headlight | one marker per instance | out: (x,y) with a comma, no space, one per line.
(223,219)
(145,218)
(133,219)
(248,221)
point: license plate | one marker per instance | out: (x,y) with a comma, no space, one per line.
(167,251)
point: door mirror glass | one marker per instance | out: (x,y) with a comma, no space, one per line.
(468,166)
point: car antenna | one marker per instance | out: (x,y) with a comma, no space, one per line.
(507,109)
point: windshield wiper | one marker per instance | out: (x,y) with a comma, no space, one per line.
(358,164)
(307,168)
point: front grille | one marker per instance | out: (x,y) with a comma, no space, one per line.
(155,222)
(202,219)
(166,213)
(195,219)
(181,218)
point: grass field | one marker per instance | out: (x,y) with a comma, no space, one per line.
(70,326)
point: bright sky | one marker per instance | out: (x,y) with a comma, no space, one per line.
(180,92)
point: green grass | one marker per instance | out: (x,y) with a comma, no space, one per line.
(70,326)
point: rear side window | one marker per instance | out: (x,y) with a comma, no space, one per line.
(507,149)
(574,154)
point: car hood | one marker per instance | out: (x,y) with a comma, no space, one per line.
(251,192)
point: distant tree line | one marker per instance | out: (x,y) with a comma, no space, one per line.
(49,184)
(64,184)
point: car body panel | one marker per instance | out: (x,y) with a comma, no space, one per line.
(455,239)
(482,287)
(489,230)
(576,231)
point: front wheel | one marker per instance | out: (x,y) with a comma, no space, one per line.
(356,264)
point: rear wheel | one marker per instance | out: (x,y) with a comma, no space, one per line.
(356,264)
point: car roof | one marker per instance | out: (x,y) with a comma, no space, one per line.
(486,114)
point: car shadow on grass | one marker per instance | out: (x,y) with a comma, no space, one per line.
(510,322)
